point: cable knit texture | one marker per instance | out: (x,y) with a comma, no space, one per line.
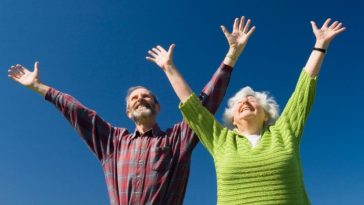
(270,173)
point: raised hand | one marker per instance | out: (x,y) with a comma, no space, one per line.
(324,36)
(23,76)
(27,78)
(240,35)
(327,32)
(164,59)
(161,57)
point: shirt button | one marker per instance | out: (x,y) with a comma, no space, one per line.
(140,163)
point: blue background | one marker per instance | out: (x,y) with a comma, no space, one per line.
(96,49)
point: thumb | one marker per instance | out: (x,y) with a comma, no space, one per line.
(36,68)
(224,30)
(314,26)
(171,49)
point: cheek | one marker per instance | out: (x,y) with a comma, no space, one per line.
(262,113)
(235,115)
(235,112)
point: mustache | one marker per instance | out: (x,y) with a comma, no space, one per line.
(145,104)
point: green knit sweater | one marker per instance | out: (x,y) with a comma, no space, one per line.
(270,173)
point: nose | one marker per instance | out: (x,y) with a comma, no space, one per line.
(244,101)
(139,98)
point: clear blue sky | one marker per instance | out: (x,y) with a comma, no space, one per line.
(96,49)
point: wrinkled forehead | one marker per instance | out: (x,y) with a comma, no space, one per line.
(248,96)
(139,91)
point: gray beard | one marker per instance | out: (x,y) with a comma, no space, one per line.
(137,115)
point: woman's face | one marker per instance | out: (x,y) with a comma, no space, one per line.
(249,109)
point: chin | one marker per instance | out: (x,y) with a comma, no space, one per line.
(142,114)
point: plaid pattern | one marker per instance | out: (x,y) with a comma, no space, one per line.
(141,169)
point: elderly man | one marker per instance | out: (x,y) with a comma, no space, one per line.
(147,166)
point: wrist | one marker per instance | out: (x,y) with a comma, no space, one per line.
(40,88)
(35,85)
(233,53)
(169,68)
(321,44)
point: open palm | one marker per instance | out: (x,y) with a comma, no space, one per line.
(327,32)
(161,57)
(23,76)
(239,37)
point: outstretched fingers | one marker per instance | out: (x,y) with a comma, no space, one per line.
(325,25)
(241,24)
(152,53)
(150,59)
(337,27)
(337,31)
(12,72)
(161,57)
(246,27)
(157,52)
(161,49)
(16,72)
(236,25)
(225,31)
(333,25)
(251,31)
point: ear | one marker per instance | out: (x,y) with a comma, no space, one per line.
(266,117)
(157,108)
(233,122)
(128,113)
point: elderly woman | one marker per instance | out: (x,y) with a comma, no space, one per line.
(258,161)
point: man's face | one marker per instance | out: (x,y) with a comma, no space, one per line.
(141,104)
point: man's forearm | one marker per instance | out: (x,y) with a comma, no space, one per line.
(40,88)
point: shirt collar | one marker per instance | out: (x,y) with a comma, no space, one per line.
(155,131)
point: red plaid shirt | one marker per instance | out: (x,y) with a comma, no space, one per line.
(141,169)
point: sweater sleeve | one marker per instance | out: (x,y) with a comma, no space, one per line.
(299,105)
(97,133)
(210,132)
(211,96)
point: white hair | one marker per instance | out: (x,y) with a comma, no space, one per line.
(267,102)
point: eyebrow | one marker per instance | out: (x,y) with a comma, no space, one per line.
(143,94)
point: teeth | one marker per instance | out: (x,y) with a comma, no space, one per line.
(140,107)
(245,108)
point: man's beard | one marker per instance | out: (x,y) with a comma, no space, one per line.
(143,111)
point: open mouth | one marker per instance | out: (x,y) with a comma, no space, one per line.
(142,106)
(245,108)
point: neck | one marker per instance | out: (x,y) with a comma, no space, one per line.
(144,125)
(248,127)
